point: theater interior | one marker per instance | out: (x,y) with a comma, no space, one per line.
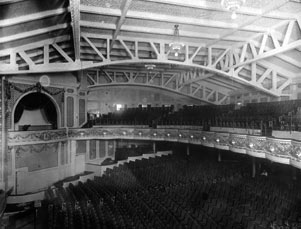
(150,114)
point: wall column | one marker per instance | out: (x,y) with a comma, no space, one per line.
(3,145)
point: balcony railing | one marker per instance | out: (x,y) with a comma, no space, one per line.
(286,151)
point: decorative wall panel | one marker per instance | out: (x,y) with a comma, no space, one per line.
(81,111)
(70,111)
(37,157)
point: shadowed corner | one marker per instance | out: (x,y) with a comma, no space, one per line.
(3,200)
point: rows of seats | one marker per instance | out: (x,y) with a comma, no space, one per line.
(133,116)
(283,115)
(122,153)
(178,191)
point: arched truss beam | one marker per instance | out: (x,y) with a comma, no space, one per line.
(263,46)
(172,81)
(130,50)
(213,59)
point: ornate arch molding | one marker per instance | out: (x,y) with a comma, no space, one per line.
(15,92)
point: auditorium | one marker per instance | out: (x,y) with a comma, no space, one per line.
(150,114)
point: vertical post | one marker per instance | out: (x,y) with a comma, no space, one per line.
(3,136)
(154,147)
(253,167)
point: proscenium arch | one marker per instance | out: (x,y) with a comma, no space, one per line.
(57,108)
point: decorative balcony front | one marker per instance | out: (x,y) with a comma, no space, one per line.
(285,151)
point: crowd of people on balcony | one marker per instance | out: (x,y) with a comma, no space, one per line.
(179,191)
(284,115)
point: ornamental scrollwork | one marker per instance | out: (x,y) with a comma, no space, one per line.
(295,151)
(38,87)
(27,137)
(238,141)
(256,143)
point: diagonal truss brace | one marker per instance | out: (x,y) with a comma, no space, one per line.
(211,59)
(202,91)
(269,45)
(23,59)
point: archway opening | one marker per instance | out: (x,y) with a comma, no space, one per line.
(35,111)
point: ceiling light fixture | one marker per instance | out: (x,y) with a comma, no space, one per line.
(176,45)
(233,6)
(149,66)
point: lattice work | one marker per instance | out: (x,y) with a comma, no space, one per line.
(213,60)
(203,91)
(50,55)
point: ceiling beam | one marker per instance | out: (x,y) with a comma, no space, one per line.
(34,45)
(270,53)
(193,77)
(32,17)
(121,20)
(32,33)
(154,40)
(168,18)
